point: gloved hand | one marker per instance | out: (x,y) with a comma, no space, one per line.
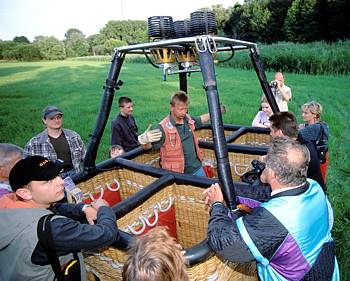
(150,136)
(222,108)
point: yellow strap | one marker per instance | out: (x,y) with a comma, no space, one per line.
(69,266)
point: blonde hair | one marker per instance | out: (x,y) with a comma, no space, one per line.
(155,256)
(314,107)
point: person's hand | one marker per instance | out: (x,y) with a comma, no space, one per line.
(99,203)
(213,194)
(279,84)
(222,108)
(150,136)
(91,214)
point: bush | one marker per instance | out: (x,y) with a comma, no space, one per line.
(311,58)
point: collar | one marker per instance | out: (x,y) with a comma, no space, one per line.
(173,122)
(277,191)
(290,191)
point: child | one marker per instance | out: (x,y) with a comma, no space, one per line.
(262,117)
(155,256)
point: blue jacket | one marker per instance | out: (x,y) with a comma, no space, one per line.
(289,236)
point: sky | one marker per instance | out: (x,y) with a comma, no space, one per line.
(31,18)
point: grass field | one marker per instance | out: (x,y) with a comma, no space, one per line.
(76,87)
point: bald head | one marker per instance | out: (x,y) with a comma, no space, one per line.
(289,160)
(9,155)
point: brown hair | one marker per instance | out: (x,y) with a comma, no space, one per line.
(178,96)
(156,257)
(286,122)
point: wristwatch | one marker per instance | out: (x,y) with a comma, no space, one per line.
(85,206)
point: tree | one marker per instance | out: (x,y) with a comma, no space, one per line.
(233,26)
(254,20)
(21,39)
(301,23)
(51,48)
(68,35)
(23,52)
(77,46)
(5,47)
(222,15)
(110,44)
(130,31)
(274,28)
(333,19)
(94,41)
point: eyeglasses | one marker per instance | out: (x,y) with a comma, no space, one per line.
(57,117)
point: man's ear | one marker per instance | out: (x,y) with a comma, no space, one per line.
(24,193)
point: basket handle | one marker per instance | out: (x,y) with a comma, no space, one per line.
(113,189)
(149,224)
(101,193)
(138,232)
(240,165)
(170,203)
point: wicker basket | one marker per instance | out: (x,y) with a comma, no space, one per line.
(130,182)
(240,162)
(248,138)
(191,226)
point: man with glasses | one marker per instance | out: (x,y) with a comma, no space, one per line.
(56,142)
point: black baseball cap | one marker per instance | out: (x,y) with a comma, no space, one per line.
(51,111)
(33,168)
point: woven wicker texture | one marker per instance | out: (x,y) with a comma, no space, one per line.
(191,224)
(130,181)
(239,162)
(253,139)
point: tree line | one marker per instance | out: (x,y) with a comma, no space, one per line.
(265,21)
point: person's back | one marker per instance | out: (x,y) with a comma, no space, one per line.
(286,242)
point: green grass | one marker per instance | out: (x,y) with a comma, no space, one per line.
(76,87)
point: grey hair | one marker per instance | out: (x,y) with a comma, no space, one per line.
(9,151)
(289,160)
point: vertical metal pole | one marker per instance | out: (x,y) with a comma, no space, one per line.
(254,56)
(183,79)
(221,151)
(103,114)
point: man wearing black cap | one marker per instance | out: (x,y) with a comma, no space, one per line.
(37,187)
(56,142)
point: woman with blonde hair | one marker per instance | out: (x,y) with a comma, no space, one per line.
(311,112)
(316,131)
(156,256)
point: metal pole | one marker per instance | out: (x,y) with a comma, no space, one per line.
(254,56)
(183,79)
(105,108)
(220,146)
